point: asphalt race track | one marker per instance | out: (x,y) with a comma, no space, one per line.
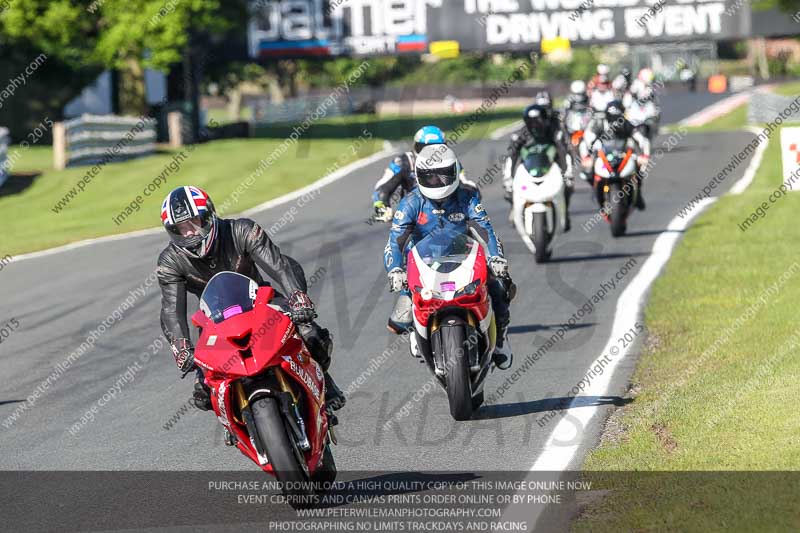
(59,299)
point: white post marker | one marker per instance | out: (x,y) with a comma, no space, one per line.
(790,157)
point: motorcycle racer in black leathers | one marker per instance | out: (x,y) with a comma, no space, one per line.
(541,127)
(614,125)
(575,116)
(202,245)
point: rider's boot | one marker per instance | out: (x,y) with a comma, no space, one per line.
(201,396)
(400,320)
(334,397)
(502,356)
(320,345)
(569,187)
(640,205)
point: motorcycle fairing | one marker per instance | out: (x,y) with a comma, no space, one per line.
(235,349)
(434,291)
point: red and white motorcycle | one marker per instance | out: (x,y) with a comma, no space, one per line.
(454,328)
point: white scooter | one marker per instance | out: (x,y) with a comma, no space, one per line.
(538,201)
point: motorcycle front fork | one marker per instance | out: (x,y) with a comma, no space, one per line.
(292,411)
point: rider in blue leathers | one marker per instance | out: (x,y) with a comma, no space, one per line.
(398,178)
(439,201)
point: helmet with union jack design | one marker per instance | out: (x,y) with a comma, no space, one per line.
(190,219)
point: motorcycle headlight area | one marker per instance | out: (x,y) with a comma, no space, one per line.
(426,293)
(429,294)
(468,290)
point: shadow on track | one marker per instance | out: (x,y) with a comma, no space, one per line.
(506,410)
(529,328)
(644,233)
(595,257)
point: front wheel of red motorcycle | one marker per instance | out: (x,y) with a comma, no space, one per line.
(326,472)
(453,343)
(282,454)
(618,209)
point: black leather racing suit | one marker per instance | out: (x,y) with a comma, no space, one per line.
(598,130)
(550,135)
(241,246)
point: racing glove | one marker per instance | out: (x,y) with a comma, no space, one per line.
(398,280)
(499,267)
(301,308)
(183,352)
(382,212)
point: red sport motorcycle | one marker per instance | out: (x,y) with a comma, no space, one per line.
(616,182)
(266,389)
(453,321)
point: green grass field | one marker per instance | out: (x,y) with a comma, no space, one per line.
(788,89)
(733,120)
(714,394)
(737,118)
(400,127)
(219,167)
(27,199)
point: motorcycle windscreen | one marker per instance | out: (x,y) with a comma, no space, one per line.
(228,294)
(445,250)
(537,165)
(615,150)
(578,120)
(615,144)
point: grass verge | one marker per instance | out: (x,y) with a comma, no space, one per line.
(400,127)
(788,89)
(28,197)
(716,386)
(732,120)
(737,117)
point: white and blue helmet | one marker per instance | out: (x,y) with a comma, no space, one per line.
(437,170)
(426,136)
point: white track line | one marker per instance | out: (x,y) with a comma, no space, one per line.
(557,456)
(84,243)
(716,110)
(561,450)
(628,311)
(752,167)
(326,180)
(722,107)
(502,131)
(322,182)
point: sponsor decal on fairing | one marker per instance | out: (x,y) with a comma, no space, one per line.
(223,412)
(301,373)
